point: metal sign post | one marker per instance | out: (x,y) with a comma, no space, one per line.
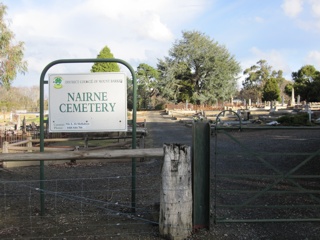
(101,99)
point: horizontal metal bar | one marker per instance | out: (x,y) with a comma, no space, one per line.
(267,206)
(264,153)
(267,220)
(264,176)
(268,192)
(243,128)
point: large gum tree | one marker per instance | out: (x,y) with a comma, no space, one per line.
(11,53)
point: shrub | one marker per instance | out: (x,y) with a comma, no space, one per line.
(294,120)
(159,106)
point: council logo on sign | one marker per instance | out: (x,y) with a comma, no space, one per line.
(57,82)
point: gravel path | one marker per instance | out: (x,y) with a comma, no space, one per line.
(163,129)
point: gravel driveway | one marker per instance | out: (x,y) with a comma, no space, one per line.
(163,129)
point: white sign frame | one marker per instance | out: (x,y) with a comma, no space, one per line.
(88,102)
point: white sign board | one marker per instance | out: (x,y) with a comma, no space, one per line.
(93,102)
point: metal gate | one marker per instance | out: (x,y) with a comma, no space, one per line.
(265,174)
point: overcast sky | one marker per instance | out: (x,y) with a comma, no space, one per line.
(286,33)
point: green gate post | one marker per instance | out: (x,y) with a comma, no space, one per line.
(201,174)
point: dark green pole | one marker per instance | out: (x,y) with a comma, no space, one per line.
(42,82)
(201,174)
(134,120)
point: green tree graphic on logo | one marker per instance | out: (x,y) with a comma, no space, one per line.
(57,82)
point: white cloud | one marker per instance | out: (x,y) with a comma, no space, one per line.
(259,19)
(292,8)
(154,29)
(274,58)
(313,58)
(93,22)
(315,7)
(310,19)
(135,31)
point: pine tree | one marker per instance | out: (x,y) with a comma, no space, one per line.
(271,90)
(105,66)
(198,70)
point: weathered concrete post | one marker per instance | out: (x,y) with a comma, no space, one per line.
(293,101)
(18,123)
(5,149)
(29,144)
(24,124)
(175,220)
(5,146)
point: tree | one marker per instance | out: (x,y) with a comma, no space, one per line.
(288,89)
(26,98)
(11,53)
(257,76)
(129,93)
(307,83)
(105,66)
(198,70)
(146,78)
(271,90)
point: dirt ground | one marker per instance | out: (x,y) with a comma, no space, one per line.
(228,160)
(92,200)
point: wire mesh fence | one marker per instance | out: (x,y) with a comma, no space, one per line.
(84,201)
(266,176)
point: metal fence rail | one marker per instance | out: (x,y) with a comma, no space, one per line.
(266,176)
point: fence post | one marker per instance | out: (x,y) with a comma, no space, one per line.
(29,144)
(5,146)
(175,220)
(201,174)
(5,149)
(141,145)
(86,141)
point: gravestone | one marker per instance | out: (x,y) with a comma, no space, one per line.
(293,101)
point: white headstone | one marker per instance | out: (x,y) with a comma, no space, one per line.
(293,101)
